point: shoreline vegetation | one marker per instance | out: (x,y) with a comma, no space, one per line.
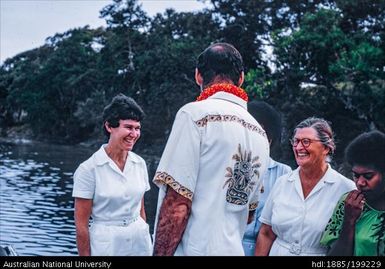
(305,58)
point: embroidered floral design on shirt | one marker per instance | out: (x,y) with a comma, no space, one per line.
(336,221)
(164,178)
(369,234)
(242,180)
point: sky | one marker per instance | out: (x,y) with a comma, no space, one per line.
(25,24)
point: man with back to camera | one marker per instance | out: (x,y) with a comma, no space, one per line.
(209,173)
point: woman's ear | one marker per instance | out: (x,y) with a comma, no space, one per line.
(327,150)
(107,126)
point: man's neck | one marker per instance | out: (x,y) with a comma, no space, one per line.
(217,80)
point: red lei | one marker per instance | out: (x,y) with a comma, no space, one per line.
(223,87)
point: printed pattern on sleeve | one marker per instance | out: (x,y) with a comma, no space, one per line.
(164,178)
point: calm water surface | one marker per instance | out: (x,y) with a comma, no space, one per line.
(36,214)
(36,204)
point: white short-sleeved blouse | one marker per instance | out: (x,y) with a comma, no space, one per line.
(116,195)
(117,228)
(298,222)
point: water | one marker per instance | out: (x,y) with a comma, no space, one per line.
(36,213)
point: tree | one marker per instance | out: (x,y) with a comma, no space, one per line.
(326,70)
(167,62)
(48,82)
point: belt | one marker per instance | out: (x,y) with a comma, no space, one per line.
(297,249)
(120,222)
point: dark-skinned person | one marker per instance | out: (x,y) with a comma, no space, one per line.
(209,172)
(270,120)
(302,202)
(357,227)
(109,187)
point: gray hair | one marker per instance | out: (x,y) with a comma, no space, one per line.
(324,132)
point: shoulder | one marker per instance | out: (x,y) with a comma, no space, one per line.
(136,158)
(343,196)
(283,167)
(287,179)
(88,164)
(341,179)
(197,110)
(96,159)
(85,171)
(336,174)
(215,107)
(187,111)
(192,107)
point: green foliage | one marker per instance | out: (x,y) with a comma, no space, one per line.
(125,14)
(46,83)
(307,58)
(329,70)
(258,84)
(165,80)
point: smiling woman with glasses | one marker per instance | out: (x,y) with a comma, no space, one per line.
(358,223)
(305,142)
(301,202)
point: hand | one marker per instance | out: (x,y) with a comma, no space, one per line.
(354,203)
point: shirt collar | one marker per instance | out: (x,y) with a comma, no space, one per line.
(329,176)
(101,156)
(272,163)
(229,97)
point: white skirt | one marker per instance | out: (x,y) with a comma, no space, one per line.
(120,240)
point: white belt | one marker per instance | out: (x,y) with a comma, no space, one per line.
(120,222)
(297,249)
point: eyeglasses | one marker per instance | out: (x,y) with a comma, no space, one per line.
(304,141)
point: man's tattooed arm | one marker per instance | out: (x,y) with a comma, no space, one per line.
(172,222)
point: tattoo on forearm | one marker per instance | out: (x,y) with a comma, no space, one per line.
(172,222)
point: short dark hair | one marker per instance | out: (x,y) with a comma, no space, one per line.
(268,117)
(324,132)
(367,149)
(121,108)
(220,59)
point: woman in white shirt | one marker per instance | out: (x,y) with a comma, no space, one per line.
(109,188)
(301,202)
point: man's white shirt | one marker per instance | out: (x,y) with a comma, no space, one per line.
(214,156)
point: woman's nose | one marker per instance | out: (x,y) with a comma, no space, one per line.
(361,181)
(135,133)
(299,145)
